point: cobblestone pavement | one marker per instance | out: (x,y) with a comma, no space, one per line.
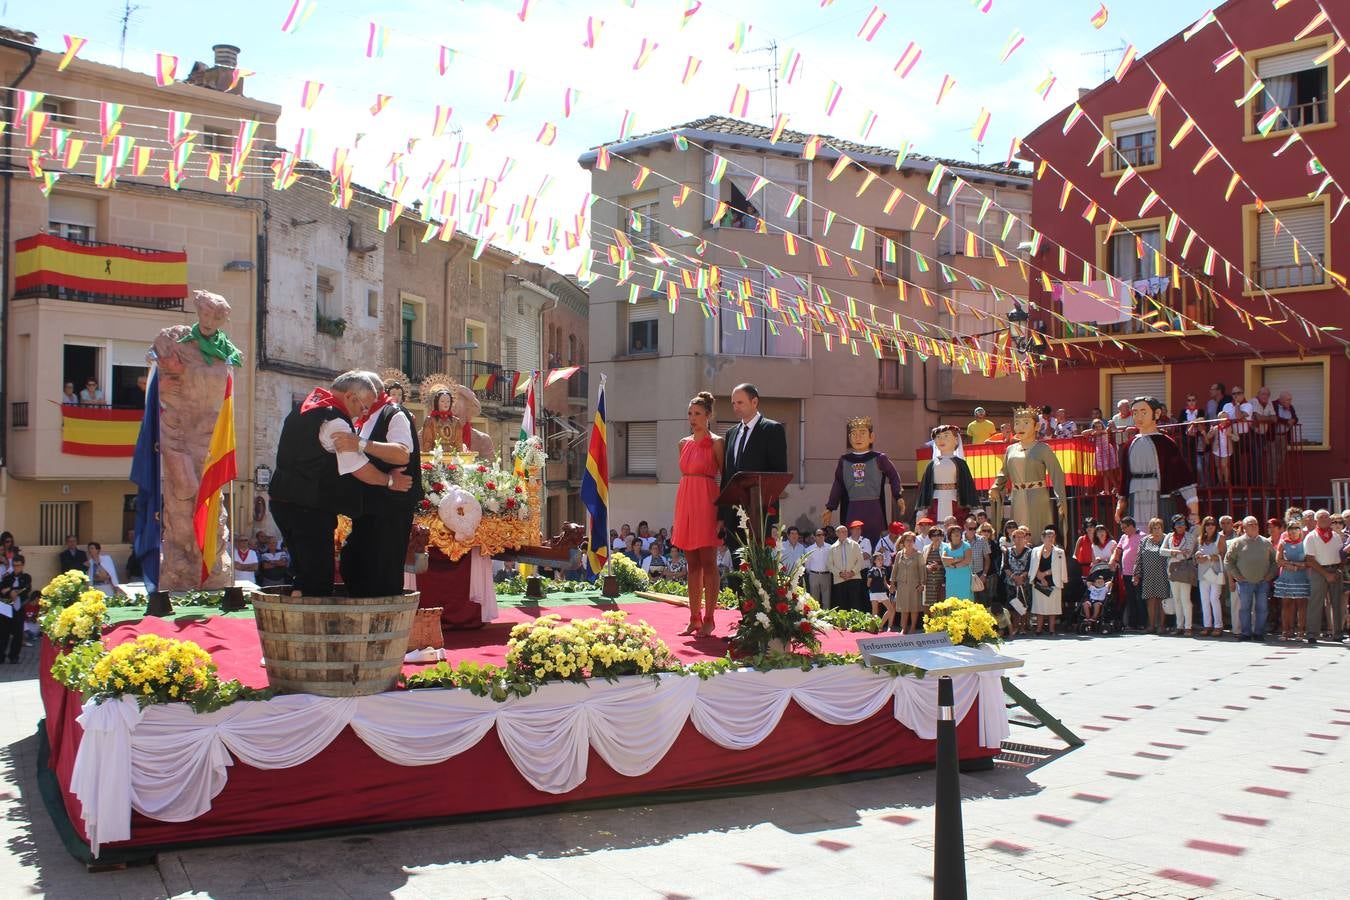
(1211,769)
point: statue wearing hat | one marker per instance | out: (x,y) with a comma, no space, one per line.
(860,484)
(947,487)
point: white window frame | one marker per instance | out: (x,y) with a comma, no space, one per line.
(641,470)
(744,165)
(731,279)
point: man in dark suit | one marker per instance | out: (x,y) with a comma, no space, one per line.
(73,557)
(755,444)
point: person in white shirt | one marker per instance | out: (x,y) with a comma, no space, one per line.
(889,543)
(818,578)
(855,533)
(245,561)
(101,569)
(1322,550)
(273,562)
(1121,423)
(921,539)
(791,549)
(846,565)
(620,543)
(1240,413)
(655,562)
(1067,427)
(645,535)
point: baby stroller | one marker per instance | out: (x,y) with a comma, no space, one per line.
(1108,620)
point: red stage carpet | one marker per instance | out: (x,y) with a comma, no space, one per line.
(348,785)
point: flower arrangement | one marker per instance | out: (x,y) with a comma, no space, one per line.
(967,623)
(630,575)
(64,589)
(550,649)
(152,668)
(499,492)
(776,610)
(78,623)
(530,452)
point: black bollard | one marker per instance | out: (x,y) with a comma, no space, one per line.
(949,849)
(534,587)
(609,586)
(233,600)
(158,604)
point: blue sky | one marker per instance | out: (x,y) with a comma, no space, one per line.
(490,41)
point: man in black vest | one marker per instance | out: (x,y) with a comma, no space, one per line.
(755,444)
(314,481)
(372,559)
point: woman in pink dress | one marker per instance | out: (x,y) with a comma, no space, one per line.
(695,530)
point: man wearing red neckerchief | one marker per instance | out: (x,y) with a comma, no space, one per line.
(315,480)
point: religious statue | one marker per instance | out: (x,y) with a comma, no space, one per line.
(194,366)
(947,487)
(859,491)
(1030,469)
(1153,466)
(451,408)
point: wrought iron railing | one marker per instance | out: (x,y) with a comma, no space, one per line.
(420,360)
(491,383)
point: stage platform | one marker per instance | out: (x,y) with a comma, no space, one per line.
(140,781)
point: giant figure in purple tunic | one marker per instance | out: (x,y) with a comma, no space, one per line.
(863,479)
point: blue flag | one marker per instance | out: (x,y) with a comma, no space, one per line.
(595,488)
(149,495)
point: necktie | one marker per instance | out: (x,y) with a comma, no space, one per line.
(740,444)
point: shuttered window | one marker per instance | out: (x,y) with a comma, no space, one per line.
(1294,256)
(643,327)
(1305,383)
(641,448)
(1128,385)
(1289,63)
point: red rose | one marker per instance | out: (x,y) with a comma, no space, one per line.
(482,468)
(745,567)
(426,504)
(770,542)
(437,486)
(804,625)
(782,592)
(519,489)
(781,607)
(490,486)
(747,605)
(427,467)
(769,573)
(510,504)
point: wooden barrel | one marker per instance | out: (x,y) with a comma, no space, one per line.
(334,646)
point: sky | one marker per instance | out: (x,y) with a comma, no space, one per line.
(497,44)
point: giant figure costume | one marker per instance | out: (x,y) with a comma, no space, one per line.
(947,487)
(1030,470)
(861,482)
(1152,467)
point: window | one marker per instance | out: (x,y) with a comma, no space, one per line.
(1134,141)
(71,217)
(475,274)
(892,254)
(373,303)
(323,295)
(407,239)
(640,215)
(1307,383)
(1289,249)
(572,349)
(643,328)
(747,324)
(61,112)
(1295,84)
(475,334)
(786,177)
(216,140)
(641,448)
(1134,255)
(510,354)
(895,378)
(1145,382)
(56,519)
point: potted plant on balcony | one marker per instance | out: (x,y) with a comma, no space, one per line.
(330,325)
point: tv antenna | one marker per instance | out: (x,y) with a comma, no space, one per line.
(1105,54)
(771,70)
(129,9)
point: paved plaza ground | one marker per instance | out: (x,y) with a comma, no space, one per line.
(1211,769)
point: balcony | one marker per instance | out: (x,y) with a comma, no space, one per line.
(72,441)
(491,383)
(420,360)
(1308,273)
(1185,307)
(48,266)
(579,388)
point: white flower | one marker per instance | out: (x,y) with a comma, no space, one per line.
(762,619)
(743,517)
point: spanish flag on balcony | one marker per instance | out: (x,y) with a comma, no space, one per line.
(484,382)
(219,471)
(99,431)
(48,261)
(1076,455)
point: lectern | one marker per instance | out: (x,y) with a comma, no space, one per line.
(754,491)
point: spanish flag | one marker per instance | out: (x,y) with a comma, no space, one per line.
(484,382)
(219,471)
(99,430)
(595,488)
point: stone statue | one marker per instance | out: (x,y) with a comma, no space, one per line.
(451,408)
(194,364)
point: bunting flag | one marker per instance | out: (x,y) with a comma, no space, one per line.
(166,67)
(1126,60)
(832,97)
(981,126)
(740,101)
(484,381)
(547,134)
(309,93)
(1046,85)
(1099,18)
(692,7)
(376,40)
(595,488)
(219,471)
(526,422)
(73,46)
(645,53)
(1015,40)
(441,120)
(593,26)
(872,24)
(109,120)
(300,12)
(948,82)
(445,56)
(908,60)
(381,101)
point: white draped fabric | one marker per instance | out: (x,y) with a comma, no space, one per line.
(481,588)
(169,763)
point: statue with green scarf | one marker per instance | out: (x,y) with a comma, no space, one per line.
(193,366)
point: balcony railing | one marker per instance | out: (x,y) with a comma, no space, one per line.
(420,360)
(1173,308)
(60,268)
(1304,274)
(579,386)
(491,383)
(1314,112)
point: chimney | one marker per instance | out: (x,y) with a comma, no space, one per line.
(227,56)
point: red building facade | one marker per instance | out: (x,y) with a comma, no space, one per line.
(1268,248)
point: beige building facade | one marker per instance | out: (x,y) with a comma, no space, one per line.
(655,360)
(56,335)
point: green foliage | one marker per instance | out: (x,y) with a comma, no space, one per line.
(670,586)
(852,620)
(515,586)
(480,679)
(726,598)
(73,667)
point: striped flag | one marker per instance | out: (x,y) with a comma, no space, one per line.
(219,471)
(595,488)
(526,421)
(484,381)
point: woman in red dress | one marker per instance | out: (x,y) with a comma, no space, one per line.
(695,530)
